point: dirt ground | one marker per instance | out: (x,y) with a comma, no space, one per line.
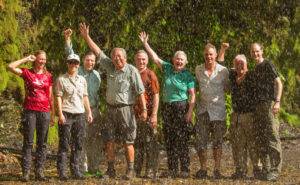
(10,172)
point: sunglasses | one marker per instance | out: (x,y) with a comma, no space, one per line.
(75,62)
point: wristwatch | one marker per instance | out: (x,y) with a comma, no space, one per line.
(277,100)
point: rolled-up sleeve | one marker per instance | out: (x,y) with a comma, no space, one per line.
(58,87)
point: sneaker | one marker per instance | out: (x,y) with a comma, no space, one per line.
(184,175)
(218,175)
(150,174)
(111,173)
(26,176)
(63,176)
(272,177)
(201,174)
(169,174)
(78,175)
(130,173)
(39,175)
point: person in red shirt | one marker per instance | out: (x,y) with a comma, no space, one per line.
(37,104)
(145,142)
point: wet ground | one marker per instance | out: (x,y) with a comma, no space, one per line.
(10,170)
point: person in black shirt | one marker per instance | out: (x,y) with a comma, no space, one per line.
(268,94)
(242,134)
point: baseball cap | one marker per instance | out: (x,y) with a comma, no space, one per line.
(73,57)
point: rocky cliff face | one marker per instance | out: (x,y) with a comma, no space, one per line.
(10,119)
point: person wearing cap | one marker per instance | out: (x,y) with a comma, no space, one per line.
(92,144)
(241,131)
(72,101)
(38,102)
(124,85)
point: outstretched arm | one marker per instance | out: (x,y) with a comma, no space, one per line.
(144,38)
(221,57)
(84,31)
(14,66)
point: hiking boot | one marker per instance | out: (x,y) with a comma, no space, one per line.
(169,174)
(201,174)
(238,175)
(271,177)
(138,174)
(150,174)
(218,175)
(130,173)
(184,175)
(39,175)
(26,176)
(111,173)
(63,176)
(77,175)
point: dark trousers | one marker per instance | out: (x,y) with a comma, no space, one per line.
(74,127)
(176,136)
(146,145)
(40,121)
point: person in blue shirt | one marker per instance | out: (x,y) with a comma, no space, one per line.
(92,146)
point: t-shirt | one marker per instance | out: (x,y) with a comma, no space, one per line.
(242,95)
(150,83)
(176,84)
(36,90)
(265,85)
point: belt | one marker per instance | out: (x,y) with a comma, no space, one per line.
(119,105)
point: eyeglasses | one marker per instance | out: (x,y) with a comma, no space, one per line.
(75,62)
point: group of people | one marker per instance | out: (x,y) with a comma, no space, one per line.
(130,115)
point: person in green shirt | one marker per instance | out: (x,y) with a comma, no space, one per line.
(177,113)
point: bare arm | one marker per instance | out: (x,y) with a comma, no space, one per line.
(221,57)
(14,66)
(51,103)
(62,119)
(144,38)
(67,34)
(87,108)
(143,101)
(189,115)
(276,106)
(84,31)
(153,118)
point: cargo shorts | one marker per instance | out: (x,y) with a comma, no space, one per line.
(203,129)
(119,124)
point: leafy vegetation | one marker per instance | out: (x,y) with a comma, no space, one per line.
(27,25)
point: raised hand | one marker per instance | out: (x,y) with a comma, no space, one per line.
(84,30)
(144,37)
(31,58)
(225,46)
(68,32)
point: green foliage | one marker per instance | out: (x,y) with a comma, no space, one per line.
(26,26)
(290,119)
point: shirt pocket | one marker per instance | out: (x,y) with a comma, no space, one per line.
(69,89)
(124,86)
(80,89)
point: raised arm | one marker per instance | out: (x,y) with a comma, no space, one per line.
(221,57)
(144,38)
(14,66)
(84,31)
(68,50)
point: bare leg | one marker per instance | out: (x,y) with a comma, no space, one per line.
(217,157)
(203,158)
(110,151)
(129,152)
